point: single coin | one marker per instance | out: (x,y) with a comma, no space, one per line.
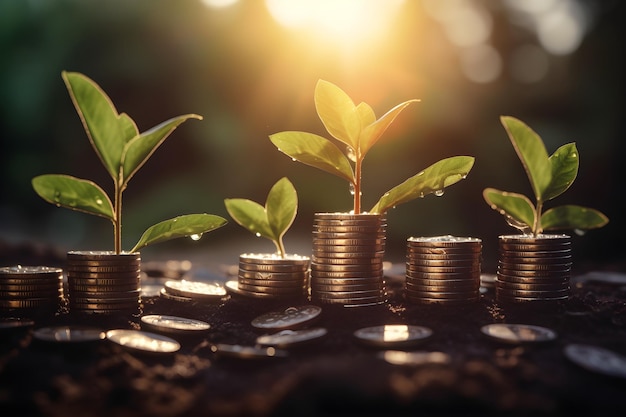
(290,338)
(530,247)
(444,241)
(166,295)
(376,230)
(450,283)
(349,257)
(506,286)
(247,352)
(284,291)
(273,283)
(596,359)
(68,334)
(400,357)
(107,289)
(532,279)
(369,268)
(443,276)
(503,297)
(273,268)
(276,276)
(518,333)
(143,341)
(519,266)
(393,335)
(439,257)
(346,277)
(15,323)
(506,271)
(327,295)
(375,286)
(363,279)
(562,292)
(28,303)
(351,302)
(232,287)
(469,250)
(368,242)
(380,235)
(542,254)
(442,289)
(102,254)
(290,318)
(29,271)
(196,289)
(173,324)
(124,270)
(272,259)
(543,239)
(362,262)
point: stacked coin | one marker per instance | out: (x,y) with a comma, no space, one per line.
(443,269)
(347,262)
(103,282)
(533,268)
(31,288)
(272,276)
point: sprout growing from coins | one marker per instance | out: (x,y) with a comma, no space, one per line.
(122,150)
(550,176)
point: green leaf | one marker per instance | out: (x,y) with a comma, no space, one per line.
(250,215)
(338,113)
(366,115)
(512,205)
(281,207)
(74,193)
(532,152)
(181,226)
(137,151)
(107,130)
(573,217)
(315,151)
(435,178)
(372,132)
(564,163)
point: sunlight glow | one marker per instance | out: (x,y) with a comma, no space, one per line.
(219,4)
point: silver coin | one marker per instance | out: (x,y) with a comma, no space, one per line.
(443,241)
(518,333)
(344,215)
(400,357)
(68,334)
(290,338)
(393,335)
(596,359)
(247,352)
(29,271)
(166,295)
(290,318)
(143,341)
(196,289)
(442,301)
(102,255)
(173,324)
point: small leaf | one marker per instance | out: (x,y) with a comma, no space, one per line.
(513,205)
(137,151)
(315,151)
(338,113)
(107,130)
(250,215)
(74,193)
(371,133)
(564,163)
(182,226)
(435,178)
(573,217)
(366,115)
(532,152)
(281,207)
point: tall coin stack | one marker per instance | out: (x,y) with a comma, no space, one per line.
(270,276)
(103,282)
(443,269)
(533,268)
(31,289)
(347,261)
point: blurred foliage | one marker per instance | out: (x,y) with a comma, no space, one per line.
(248,77)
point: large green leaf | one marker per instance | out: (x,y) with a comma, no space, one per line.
(137,151)
(512,205)
(315,151)
(250,215)
(338,113)
(281,207)
(107,130)
(564,163)
(74,193)
(433,179)
(181,226)
(532,152)
(371,133)
(572,217)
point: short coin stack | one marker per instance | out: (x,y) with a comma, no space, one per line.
(271,276)
(103,282)
(347,262)
(31,289)
(533,268)
(443,269)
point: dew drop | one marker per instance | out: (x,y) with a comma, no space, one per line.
(580,232)
(196,236)
(257,234)
(352,189)
(99,202)
(439,193)
(351,153)
(294,159)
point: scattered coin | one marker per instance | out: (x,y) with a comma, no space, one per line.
(68,334)
(290,338)
(247,352)
(393,335)
(290,318)
(400,357)
(143,341)
(173,324)
(518,333)
(196,290)
(597,359)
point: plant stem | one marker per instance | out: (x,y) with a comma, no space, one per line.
(537,229)
(281,247)
(118,220)
(357,184)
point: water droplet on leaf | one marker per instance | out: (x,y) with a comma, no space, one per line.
(196,236)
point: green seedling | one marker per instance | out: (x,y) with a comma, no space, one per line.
(357,128)
(272,220)
(549,177)
(122,150)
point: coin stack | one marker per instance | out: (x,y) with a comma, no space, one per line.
(443,269)
(272,276)
(347,262)
(533,268)
(103,282)
(31,288)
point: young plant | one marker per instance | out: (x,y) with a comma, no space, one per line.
(549,177)
(271,221)
(356,127)
(122,150)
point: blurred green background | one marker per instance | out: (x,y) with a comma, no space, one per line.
(250,68)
